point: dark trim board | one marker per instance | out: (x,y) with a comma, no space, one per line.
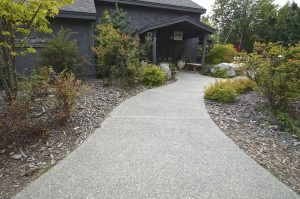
(157,5)
(175,21)
(76,15)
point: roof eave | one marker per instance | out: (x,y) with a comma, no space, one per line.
(205,27)
(76,15)
(157,5)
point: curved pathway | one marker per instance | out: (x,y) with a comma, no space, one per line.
(159,144)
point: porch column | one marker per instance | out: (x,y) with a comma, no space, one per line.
(204,50)
(154,46)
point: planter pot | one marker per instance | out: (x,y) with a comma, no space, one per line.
(180,64)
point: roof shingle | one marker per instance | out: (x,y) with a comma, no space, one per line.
(81,6)
(181,3)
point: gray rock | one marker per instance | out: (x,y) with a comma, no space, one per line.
(166,68)
(16,156)
(230,67)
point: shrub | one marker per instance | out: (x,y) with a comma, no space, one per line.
(145,47)
(226,91)
(173,69)
(221,91)
(66,89)
(61,53)
(219,73)
(289,124)
(37,84)
(221,53)
(114,51)
(15,122)
(243,85)
(118,49)
(276,71)
(152,75)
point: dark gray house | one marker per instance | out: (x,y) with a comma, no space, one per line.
(175,25)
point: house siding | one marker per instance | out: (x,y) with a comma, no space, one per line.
(141,16)
(84,37)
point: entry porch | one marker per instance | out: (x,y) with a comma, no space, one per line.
(178,39)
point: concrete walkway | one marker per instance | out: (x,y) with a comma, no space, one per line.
(159,144)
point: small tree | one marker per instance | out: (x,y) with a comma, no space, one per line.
(62,53)
(19,20)
(221,53)
(276,71)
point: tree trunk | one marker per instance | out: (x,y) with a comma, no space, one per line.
(241,40)
(9,79)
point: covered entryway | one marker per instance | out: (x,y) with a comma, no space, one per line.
(178,39)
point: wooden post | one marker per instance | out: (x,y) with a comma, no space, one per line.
(204,50)
(154,46)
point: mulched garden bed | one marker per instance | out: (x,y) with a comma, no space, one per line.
(251,125)
(21,165)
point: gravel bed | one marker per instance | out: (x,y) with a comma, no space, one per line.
(255,130)
(21,165)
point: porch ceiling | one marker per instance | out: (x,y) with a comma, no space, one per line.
(190,27)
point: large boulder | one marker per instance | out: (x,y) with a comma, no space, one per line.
(229,67)
(166,68)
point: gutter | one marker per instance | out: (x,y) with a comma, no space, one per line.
(157,5)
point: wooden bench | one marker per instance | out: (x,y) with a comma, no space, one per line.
(193,67)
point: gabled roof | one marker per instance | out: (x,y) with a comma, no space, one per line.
(184,19)
(184,5)
(83,6)
(80,9)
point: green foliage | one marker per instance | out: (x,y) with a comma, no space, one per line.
(286,27)
(242,22)
(243,85)
(276,71)
(37,84)
(290,124)
(152,75)
(219,73)
(145,47)
(118,50)
(173,69)
(114,51)
(62,53)
(18,21)
(227,91)
(221,91)
(221,53)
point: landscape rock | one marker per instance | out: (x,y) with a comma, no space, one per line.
(16,156)
(166,68)
(229,67)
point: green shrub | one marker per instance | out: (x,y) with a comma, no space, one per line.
(61,53)
(276,71)
(37,84)
(243,85)
(221,53)
(152,75)
(173,69)
(289,124)
(117,50)
(219,73)
(226,91)
(221,91)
